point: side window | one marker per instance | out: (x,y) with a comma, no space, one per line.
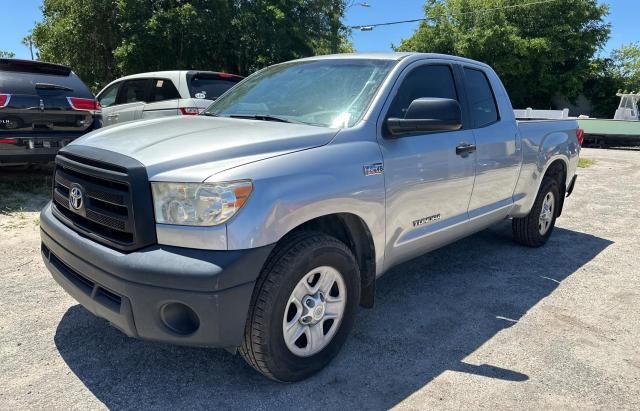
(163,89)
(482,103)
(108,97)
(423,81)
(133,91)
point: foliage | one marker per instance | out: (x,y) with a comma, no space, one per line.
(81,34)
(27,41)
(600,88)
(620,71)
(539,50)
(626,62)
(104,39)
(7,54)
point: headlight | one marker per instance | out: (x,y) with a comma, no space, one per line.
(200,204)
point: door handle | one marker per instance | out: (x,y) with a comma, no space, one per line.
(112,116)
(465,149)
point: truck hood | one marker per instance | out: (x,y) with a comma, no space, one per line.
(190,149)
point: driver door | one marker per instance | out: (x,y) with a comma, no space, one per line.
(428,182)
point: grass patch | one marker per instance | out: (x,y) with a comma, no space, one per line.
(585,162)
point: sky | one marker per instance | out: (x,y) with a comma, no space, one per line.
(19,16)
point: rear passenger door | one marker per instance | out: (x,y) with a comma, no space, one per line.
(163,100)
(498,155)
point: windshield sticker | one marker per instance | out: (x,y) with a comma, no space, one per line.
(202,94)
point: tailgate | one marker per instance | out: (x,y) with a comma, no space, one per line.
(42,113)
(38,98)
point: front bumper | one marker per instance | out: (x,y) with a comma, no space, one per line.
(161,293)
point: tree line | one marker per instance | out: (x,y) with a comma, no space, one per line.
(105,39)
(541,50)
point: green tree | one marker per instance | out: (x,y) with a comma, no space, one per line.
(27,41)
(104,39)
(620,71)
(7,54)
(81,34)
(539,50)
(626,65)
(600,88)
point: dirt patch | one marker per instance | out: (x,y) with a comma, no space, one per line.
(479,324)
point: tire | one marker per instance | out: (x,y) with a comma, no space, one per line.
(289,269)
(527,230)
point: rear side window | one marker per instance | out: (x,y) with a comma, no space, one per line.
(424,81)
(133,91)
(163,89)
(482,102)
(210,87)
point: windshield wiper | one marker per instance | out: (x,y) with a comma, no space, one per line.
(47,86)
(263,117)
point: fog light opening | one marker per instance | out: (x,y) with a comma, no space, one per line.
(179,318)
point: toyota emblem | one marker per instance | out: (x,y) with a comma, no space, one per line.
(75,197)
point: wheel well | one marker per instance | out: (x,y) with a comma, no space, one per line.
(558,171)
(352,231)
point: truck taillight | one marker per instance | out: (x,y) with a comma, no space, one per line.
(190,111)
(4,100)
(84,103)
(580,135)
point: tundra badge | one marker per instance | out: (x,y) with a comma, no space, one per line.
(425,220)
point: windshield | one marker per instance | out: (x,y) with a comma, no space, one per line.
(330,93)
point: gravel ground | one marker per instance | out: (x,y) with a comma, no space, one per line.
(482,323)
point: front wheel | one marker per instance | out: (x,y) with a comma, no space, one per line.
(303,307)
(535,228)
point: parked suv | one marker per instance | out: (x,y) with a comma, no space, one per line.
(43,107)
(162,94)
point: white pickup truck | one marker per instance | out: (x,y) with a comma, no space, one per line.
(264,222)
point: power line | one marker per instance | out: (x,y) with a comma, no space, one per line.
(369,27)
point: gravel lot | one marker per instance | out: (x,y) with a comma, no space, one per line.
(482,323)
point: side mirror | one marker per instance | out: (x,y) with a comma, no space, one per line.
(427,115)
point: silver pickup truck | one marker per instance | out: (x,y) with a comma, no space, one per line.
(263,224)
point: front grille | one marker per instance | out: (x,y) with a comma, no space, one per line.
(116,205)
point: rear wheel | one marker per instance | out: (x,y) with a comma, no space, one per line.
(534,229)
(303,307)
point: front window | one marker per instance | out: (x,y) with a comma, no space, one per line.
(329,93)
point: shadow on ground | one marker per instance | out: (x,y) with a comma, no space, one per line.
(430,314)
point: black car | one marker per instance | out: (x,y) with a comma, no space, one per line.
(43,107)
